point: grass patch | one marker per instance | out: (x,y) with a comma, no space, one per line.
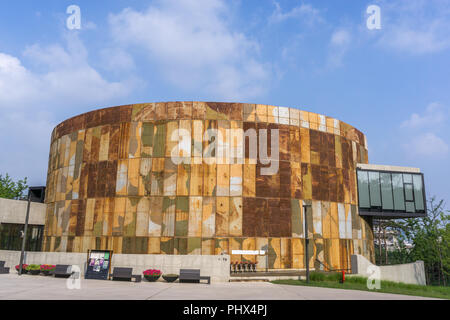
(331,280)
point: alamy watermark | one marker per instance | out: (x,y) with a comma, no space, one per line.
(374,20)
(227,146)
(373,281)
(74,20)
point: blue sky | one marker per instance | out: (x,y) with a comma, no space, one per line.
(392,83)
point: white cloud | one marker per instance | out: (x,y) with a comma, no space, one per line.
(339,44)
(427,145)
(194,47)
(416,26)
(117,60)
(424,132)
(36,93)
(304,12)
(65,77)
(434,114)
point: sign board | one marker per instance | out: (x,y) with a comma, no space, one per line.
(98,264)
(249,252)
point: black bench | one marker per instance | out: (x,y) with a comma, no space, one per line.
(192,276)
(120,273)
(63,270)
(3,269)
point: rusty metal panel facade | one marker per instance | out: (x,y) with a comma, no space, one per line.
(156,178)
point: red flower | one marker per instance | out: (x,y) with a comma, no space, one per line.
(152,272)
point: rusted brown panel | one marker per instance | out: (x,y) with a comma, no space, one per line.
(114,138)
(82,192)
(346,153)
(316,186)
(93,119)
(217,110)
(92,180)
(79,122)
(110,178)
(324,190)
(249,127)
(340,185)
(261,127)
(275,221)
(143,112)
(323,149)
(256,217)
(81,215)
(236,111)
(185,110)
(161,111)
(267,185)
(332,185)
(352,175)
(172,108)
(102,179)
(296,181)
(283,140)
(125,113)
(108,116)
(294,144)
(306,181)
(198,110)
(285,179)
(315,141)
(347,192)
(124,140)
(73,217)
(331,150)
(285,218)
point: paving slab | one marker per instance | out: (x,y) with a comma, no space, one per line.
(28,287)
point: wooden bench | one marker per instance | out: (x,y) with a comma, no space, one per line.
(120,273)
(192,276)
(3,269)
(63,270)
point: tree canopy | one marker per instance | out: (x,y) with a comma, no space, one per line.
(12,189)
(430,237)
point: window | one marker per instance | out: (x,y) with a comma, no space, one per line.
(10,237)
(390,194)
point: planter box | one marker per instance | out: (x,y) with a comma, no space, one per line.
(34,272)
(152,278)
(170,278)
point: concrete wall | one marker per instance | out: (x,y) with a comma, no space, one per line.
(413,273)
(217,267)
(15,211)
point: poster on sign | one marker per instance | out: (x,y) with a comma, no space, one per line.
(98,264)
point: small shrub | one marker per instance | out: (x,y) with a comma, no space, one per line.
(33,267)
(47,267)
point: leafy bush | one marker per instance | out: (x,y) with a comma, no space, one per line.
(33,267)
(47,267)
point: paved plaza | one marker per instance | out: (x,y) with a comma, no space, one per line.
(13,286)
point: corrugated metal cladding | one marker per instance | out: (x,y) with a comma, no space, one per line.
(112,184)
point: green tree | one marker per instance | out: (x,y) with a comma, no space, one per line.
(430,237)
(12,189)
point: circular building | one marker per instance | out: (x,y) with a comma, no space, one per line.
(201,178)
